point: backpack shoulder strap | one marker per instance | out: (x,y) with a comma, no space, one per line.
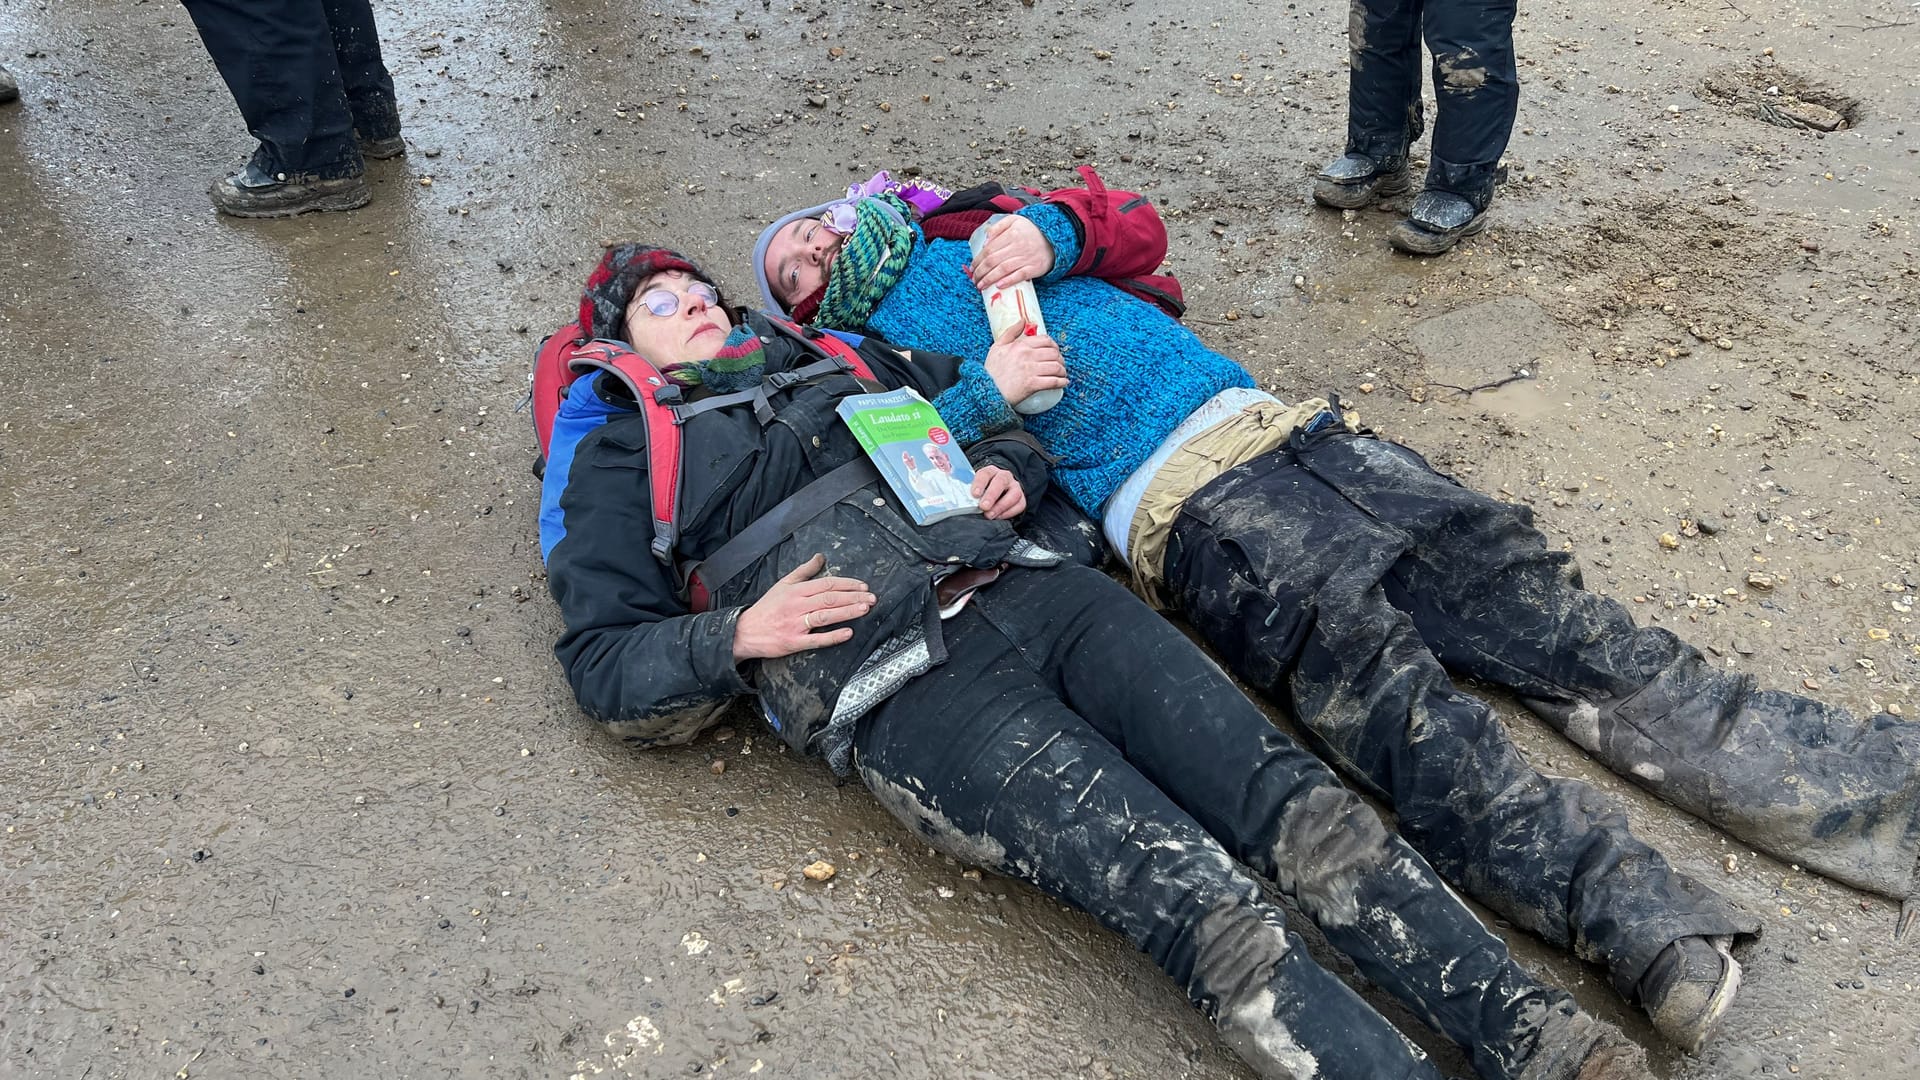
(959,216)
(829,343)
(991,197)
(656,396)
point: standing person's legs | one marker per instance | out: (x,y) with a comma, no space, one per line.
(1191,734)
(1476,87)
(1807,782)
(1281,574)
(1383,104)
(364,77)
(984,762)
(277,57)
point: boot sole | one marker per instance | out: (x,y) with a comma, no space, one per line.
(384,149)
(1340,196)
(344,200)
(1709,1015)
(1414,240)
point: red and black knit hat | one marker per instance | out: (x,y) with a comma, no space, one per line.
(603,303)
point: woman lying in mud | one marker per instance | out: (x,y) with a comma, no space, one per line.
(974,682)
(1343,576)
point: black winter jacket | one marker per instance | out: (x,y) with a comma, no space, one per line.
(656,672)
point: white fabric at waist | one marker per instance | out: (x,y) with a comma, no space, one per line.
(1116,518)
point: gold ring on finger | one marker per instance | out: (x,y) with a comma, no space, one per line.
(808,619)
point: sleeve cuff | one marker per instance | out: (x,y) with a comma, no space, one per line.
(713,663)
(973,407)
(1058,228)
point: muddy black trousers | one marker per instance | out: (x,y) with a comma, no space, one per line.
(1476,86)
(305,74)
(1078,741)
(1340,573)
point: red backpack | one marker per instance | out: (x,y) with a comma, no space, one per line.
(1124,243)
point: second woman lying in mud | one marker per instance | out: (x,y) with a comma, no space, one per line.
(1023,714)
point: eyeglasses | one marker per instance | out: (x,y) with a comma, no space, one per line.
(664,302)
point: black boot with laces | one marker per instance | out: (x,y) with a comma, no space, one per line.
(253,192)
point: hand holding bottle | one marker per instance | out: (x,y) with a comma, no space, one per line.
(1026,366)
(1008,250)
(1013,311)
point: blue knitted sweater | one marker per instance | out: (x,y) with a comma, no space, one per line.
(1136,373)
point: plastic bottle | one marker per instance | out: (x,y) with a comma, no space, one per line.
(1009,306)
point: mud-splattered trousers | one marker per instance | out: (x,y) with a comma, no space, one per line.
(1476,86)
(305,74)
(1339,573)
(1076,740)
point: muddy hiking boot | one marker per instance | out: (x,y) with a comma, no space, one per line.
(1688,989)
(255,193)
(1437,221)
(9,90)
(1573,1045)
(1356,180)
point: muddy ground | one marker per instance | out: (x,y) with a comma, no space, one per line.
(291,785)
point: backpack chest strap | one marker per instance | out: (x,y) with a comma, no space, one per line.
(760,396)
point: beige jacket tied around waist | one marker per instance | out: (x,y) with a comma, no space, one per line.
(1261,427)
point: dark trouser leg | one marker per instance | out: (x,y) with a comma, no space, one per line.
(1476,88)
(277,57)
(1185,733)
(1055,523)
(1281,575)
(368,86)
(1807,782)
(1383,86)
(985,762)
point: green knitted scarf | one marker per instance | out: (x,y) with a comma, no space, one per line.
(738,365)
(870,262)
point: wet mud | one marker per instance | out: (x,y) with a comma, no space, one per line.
(291,785)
